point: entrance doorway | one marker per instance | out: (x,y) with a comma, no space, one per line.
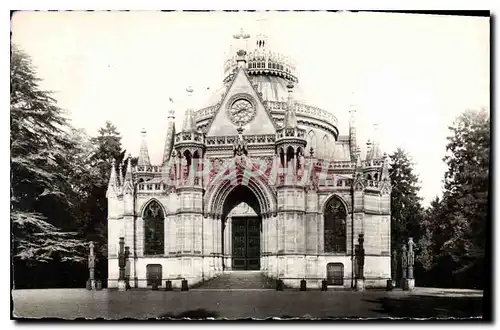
(245,243)
(153,274)
(335,274)
(242,229)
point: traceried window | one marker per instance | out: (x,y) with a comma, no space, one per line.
(335,226)
(154,233)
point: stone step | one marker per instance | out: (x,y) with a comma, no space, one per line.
(239,280)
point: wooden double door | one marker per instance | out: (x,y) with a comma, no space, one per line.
(246,243)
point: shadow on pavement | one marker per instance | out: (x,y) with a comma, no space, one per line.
(417,306)
(192,314)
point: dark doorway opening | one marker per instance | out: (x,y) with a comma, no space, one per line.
(335,274)
(245,230)
(153,274)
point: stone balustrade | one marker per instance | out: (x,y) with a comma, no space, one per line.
(303,109)
(290,133)
(189,137)
(151,187)
(205,113)
(373,163)
(148,169)
(249,139)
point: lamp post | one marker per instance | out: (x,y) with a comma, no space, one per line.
(360,257)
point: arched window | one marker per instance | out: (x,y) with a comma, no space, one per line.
(311,140)
(326,148)
(335,226)
(154,233)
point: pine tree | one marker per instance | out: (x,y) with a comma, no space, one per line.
(39,170)
(406,206)
(455,226)
(467,190)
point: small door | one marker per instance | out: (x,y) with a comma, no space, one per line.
(153,273)
(335,274)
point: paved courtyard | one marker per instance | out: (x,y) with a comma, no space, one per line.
(233,304)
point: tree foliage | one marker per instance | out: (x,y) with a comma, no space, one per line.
(406,208)
(40,169)
(455,225)
(59,178)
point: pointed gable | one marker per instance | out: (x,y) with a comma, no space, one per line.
(261,123)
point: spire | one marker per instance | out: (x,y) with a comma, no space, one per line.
(290,116)
(120,174)
(169,140)
(374,152)
(113,183)
(128,174)
(352,127)
(189,124)
(385,167)
(143,153)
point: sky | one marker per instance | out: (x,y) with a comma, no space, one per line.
(411,74)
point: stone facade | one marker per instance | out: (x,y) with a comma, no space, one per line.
(258,178)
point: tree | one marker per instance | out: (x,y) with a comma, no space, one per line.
(106,147)
(41,200)
(455,225)
(406,209)
(38,138)
(467,191)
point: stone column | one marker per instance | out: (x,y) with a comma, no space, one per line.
(229,242)
(404,266)
(122,286)
(391,283)
(218,251)
(410,282)
(91,280)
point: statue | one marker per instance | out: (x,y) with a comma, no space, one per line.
(123,256)
(361,256)
(121,259)
(127,267)
(185,169)
(394,266)
(302,162)
(404,261)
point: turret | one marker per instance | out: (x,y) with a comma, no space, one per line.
(190,145)
(291,140)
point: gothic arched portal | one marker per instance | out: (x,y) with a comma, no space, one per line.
(335,226)
(154,238)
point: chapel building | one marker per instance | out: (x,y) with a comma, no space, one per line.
(258,179)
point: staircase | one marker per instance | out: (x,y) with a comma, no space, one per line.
(239,280)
